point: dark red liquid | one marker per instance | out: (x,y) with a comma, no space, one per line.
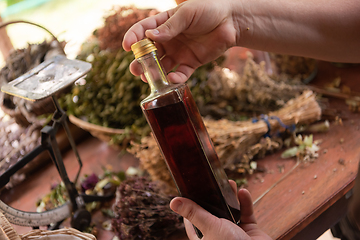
(189,153)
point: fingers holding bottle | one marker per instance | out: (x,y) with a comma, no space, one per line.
(187,36)
(247,208)
(211,227)
(161,27)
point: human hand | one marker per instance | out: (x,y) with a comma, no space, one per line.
(214,228)
(188,36)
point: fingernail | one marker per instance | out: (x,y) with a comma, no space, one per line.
(177,205)
(155,31)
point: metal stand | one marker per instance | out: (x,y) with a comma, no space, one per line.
(80,218)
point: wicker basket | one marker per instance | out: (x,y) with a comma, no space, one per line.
(7,232)
(103,133)
(61,234)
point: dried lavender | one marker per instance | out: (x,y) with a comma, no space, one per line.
(142,211)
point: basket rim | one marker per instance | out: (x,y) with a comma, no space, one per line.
(6,229)
(39,233)
(5,24)
(93,127)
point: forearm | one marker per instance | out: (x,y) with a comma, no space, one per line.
(327,30)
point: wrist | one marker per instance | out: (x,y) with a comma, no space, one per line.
(242,20)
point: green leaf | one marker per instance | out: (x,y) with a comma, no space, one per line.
(308,140)
(291,152)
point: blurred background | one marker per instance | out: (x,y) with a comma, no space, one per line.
(69,20)
(72,21)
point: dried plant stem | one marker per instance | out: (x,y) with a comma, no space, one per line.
(328,93)
(276,183)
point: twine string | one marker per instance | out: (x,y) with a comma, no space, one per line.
(266,119)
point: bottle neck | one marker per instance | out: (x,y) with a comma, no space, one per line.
(153,71)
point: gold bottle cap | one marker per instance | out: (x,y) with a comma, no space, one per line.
(143,47)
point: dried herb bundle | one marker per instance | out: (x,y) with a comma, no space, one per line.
(111,95)
(261,93)
(231,139)
(222,93)
(265,146)
(295,67)
(142,211)
(234,139)
(116,25)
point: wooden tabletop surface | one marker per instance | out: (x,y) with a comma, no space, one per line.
(311,189)
(298,205)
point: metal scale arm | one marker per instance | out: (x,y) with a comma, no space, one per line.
(44,81)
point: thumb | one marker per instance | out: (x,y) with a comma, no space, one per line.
(178,20)
(198,216)
(247,208)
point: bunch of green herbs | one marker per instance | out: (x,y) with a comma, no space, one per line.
(111,95)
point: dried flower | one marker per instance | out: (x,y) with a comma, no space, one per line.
(142,211)
(306,149)
(89,182)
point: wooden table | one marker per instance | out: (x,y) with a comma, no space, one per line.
(303,205)
(313,197)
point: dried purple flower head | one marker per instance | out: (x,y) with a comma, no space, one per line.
(89,182)
(142,211)
(53,186)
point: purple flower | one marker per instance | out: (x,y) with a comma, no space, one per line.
(54,185)
(89,182)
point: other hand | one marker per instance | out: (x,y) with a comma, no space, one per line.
(214,228)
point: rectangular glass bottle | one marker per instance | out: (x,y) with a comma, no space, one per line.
(183,139)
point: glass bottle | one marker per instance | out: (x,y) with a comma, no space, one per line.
(183,139)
